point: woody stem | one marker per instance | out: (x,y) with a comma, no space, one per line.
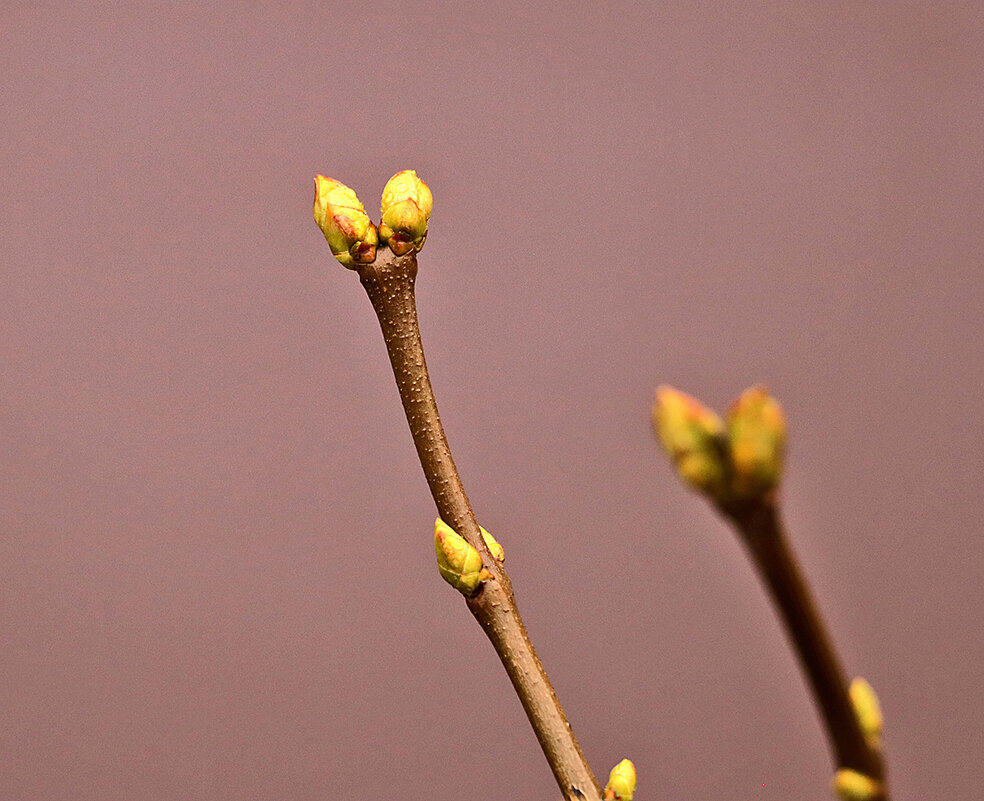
(389,283)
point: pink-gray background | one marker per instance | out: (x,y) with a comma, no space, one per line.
(218,577)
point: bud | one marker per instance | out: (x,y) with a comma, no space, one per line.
(494,547)
(692,435)
(460,564)
(850,785)
(621,782)
(406,207)
(867,709)
(757,436)
(341,217)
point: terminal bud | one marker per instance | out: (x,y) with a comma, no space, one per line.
(343,220)
(757,439)
(406,207)
(693,436)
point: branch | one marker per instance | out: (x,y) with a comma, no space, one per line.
(761,530)
(389,282)
(737,466)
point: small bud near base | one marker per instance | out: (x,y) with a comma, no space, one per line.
(621,782)
(867,709)
(849,785)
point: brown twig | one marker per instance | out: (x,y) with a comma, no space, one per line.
(389,282)
(762,532)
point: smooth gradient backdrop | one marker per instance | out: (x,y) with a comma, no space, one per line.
(216,545)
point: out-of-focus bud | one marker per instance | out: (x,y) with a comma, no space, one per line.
(757,436)
(621,782)
(850,785)
(406,207)
(867,709)
(692,435)
(460,564)
(494,547)
(342,218)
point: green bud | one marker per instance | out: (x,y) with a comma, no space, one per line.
(757,438)
(850,785)
(406,207)
(867,709)
(692,435)
(460,563)
(621,782)
(343,220)
(494,547)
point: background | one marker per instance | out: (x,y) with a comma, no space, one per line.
(219,578)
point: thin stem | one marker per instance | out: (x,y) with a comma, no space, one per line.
(389,282)
(763,534)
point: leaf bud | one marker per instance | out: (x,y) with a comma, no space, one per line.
(867,709)
(849,785)
(494,547)
(459,562)
(621,782)
(406,208)
(693,437)
(757,438)
(343,220)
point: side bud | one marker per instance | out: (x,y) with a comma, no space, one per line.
(621,782)
(849,785)
(693,437)
(757,437)
(494,547)
(343,220)
(460,564)
(867,709)
(406,207)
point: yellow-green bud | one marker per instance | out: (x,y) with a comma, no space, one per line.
(460,563)
(692,436)
(406,207)
(496,549)
(757,437)
(342,218)
(850,785)
(867,709)
(621,782)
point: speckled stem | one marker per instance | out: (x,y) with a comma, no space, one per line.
(389,282)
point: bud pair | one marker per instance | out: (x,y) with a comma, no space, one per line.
(737,460)
(406,207)
(459,562)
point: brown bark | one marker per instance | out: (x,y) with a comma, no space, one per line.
(389,282)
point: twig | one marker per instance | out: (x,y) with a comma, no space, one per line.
(762,532)
(389,282)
